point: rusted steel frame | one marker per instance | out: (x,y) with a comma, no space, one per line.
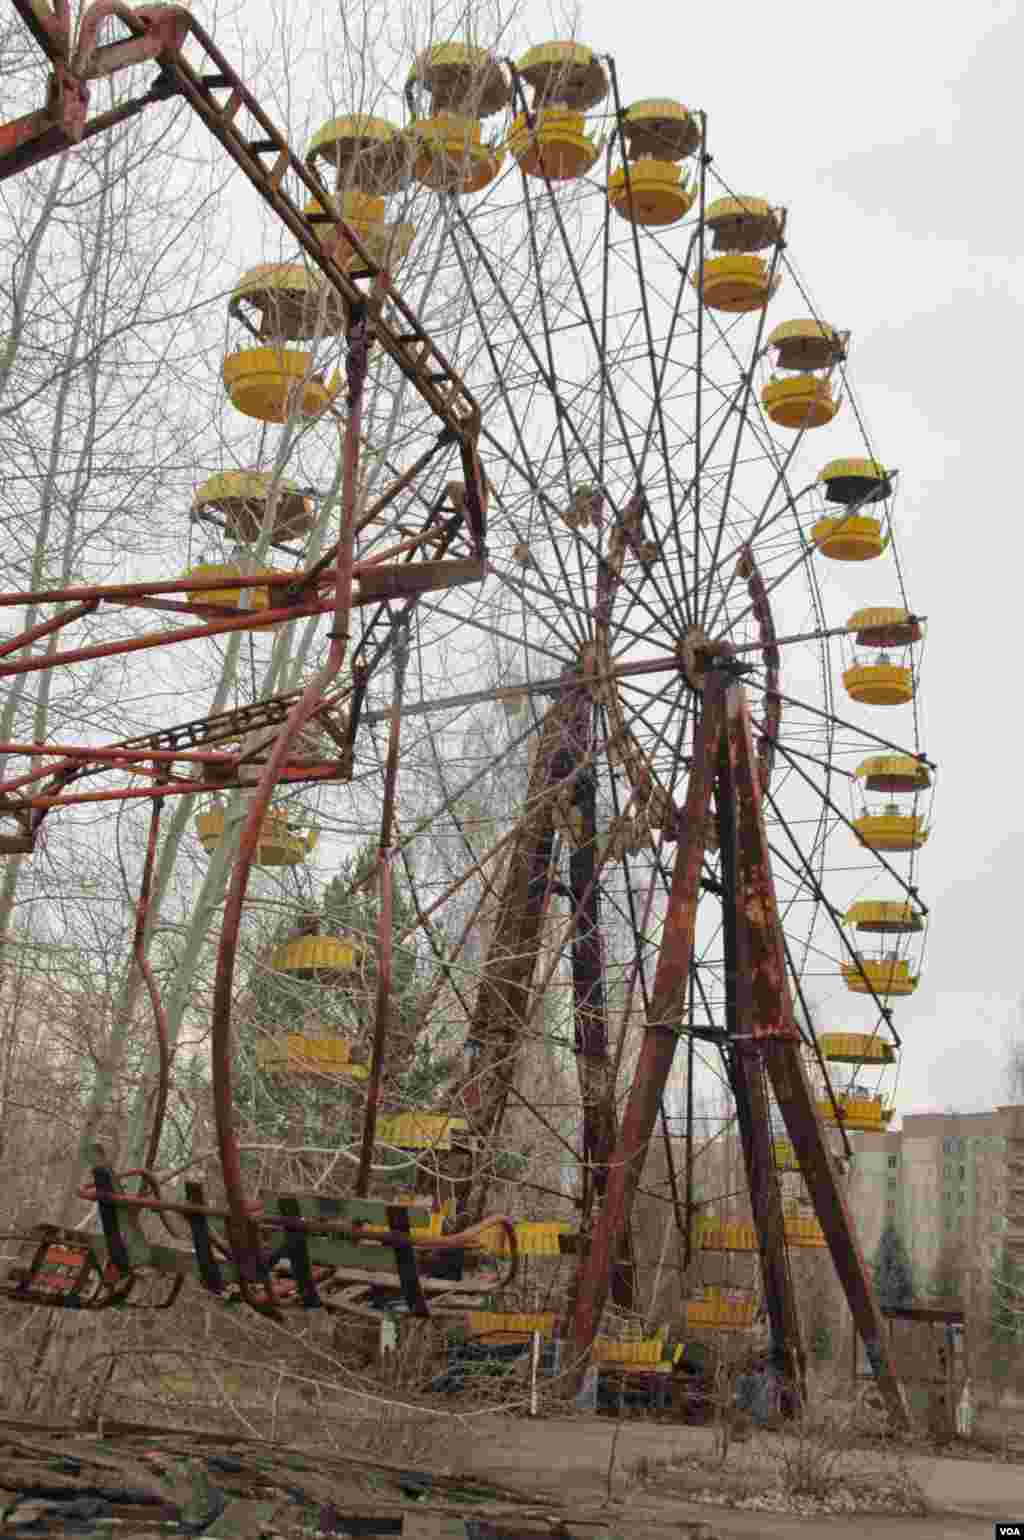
(775,1034)
(263,621)
(688,1232)
(154,29)
(174,789)
(663,1023)
(375,584)
(47,627)
(385,917)
(115,592)
(407,477)
(771,703)
(242,1233)
(142,963)
(755,972)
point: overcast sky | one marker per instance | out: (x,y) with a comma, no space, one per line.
(889,131)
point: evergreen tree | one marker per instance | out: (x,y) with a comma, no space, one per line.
(330,1109)
(894,1279)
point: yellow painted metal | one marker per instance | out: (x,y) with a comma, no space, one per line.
(230,598)
(803,1232)
(419,1130)
(486,1323)
(884,917)
(242,497)
(856,1048)
(857,537)
(885,626)
(879,684)
(278,845)
(850,480)
(646,1351)
(735,283)
(806,344)
(565,72)
(884,976)
(863,1114)
(743,224)
(462,78)
(804,401)
(292,302)
(893,773)
(661,129)
(891,831)
(323,957)
(659,189)
(785,1155)
(725,1235)
(367,153)
(537,1238)
(296,1054)
(420,1226)
(266,383)
(719,1313)
(449,155)
(557,146)
(388,243)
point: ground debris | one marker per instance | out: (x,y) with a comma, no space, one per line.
(150,1481)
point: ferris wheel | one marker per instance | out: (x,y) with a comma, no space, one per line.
(678,471)
(634,610)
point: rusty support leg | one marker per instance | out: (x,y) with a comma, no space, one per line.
(664,1021)
(752,1111)
(385,919)
(775,1032)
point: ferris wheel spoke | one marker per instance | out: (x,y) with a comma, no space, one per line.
(513,418)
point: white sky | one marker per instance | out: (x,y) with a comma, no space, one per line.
(888,130)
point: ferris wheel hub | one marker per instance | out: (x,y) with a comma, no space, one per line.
(697,652)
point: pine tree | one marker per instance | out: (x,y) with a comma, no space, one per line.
(894,1278)
(416,1065)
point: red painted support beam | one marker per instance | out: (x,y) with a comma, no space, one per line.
(665,1018)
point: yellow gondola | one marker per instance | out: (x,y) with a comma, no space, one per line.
(893,773)
(278,844)
(891,830)
(884,917)
(860,1114)
(852,480)
(805,352)
(270,383)
(321,959)
(242,497)
(743,225)
(879,684)
(856,1048)
(230,597)
(736,283)
(299,1055)
(852,537)
(421,1130)
(368,154)
(465,84)
(883,976)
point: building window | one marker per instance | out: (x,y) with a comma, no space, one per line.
(891,1205)
(963,1172)
(947,1169)
(948,1222)
(893,1162)
(892,1183)
(961,1199)
(947,1146)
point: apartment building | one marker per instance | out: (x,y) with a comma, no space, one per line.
(952,1183)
